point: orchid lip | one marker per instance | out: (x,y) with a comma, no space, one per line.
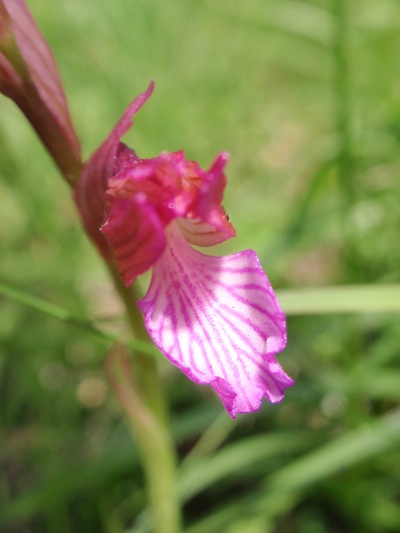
(218,320)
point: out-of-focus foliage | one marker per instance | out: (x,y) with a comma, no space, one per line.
(306,99)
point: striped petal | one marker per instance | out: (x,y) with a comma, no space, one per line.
(201,233)
(135,234)
(218,320)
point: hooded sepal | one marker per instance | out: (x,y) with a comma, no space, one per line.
(108,160)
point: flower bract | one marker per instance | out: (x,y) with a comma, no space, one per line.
(29,76)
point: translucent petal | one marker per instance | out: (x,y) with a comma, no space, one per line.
(218,320)
(200,233)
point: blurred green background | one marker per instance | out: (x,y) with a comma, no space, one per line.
(305,95)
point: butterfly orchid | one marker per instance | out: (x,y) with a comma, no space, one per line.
(215,318)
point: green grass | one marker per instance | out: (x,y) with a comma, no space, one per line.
(304,95)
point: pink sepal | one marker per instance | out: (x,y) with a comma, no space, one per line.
(109,159)
(218,320)
(135,233)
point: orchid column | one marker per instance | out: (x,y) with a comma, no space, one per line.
(216,318)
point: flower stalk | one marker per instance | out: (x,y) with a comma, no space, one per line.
(149,384)
(152,435)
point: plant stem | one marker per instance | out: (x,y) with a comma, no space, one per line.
(145,406)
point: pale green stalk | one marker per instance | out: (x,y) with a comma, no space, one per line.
(154,442)
(146,408)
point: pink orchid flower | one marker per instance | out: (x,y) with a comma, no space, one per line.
(216,318)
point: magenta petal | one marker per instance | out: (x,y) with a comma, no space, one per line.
(209,224)
(135,233)
(218,320)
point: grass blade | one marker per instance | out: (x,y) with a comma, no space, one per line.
(340,299)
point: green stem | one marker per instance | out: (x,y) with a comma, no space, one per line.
(147,413)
